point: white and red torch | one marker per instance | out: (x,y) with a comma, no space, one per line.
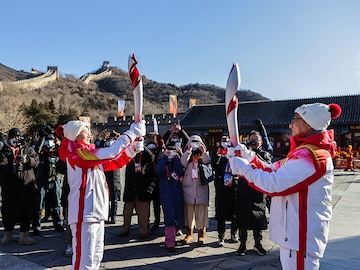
(137,87)
(231,103)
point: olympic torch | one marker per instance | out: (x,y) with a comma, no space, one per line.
(137,87)
(231,103)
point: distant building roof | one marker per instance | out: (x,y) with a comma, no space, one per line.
(274,114)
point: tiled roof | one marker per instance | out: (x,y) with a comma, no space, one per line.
(272,113)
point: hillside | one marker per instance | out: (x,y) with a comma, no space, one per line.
(98,99)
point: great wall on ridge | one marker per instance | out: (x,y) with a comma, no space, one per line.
(52,74)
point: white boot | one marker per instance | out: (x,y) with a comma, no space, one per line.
(25,239)
(7,238)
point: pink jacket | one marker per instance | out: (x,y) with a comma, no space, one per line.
(194,192)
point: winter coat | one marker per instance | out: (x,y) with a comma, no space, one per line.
(224,194)
(300,186)
(194,191)
(250,204)
(89,194)
(9,165)
(137,182)
(170,173)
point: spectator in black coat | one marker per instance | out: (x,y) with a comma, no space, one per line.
(138,176)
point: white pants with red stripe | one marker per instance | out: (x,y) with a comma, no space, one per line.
(292,260)
(88,245)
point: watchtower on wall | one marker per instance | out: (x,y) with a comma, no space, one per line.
(54,69)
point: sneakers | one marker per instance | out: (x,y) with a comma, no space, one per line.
(25,239)
(59,228)
(68,251)
(171,249)
(7,238)
(221,242)
(233,239)
(259,249)
(242,250)
(179,232)
(155,227)
(123,234)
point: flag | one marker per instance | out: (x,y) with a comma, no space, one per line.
(121,107)
(173,104)
(192,102)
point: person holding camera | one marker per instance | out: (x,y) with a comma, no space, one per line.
(19,192)
(224,183)
(139,174)
(170,173)
(196,194)
(49,174)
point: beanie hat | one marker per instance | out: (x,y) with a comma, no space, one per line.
(14,132)
(318,115)
(73,128)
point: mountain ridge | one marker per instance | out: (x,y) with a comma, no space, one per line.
(99,98)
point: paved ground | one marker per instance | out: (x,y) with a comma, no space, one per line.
(343,251)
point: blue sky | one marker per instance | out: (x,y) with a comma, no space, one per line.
(285,48)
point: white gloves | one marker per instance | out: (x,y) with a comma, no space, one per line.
(244,152)
(237,165)
(230,152)
(139,129)
(134,148)
(136,130)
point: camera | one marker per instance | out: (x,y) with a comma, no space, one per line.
(19,142)
(196,152)
(151,187)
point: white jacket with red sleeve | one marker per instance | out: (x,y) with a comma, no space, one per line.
(300,187)
(89,194)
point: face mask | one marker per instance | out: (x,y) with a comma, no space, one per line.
(49,144)
(172,154)
(224,144)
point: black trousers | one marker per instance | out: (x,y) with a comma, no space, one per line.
(19,204)
(244,234)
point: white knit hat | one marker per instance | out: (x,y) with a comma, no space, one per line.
(318,115)
(73,128)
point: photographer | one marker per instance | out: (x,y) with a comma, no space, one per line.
(19,192)
(196,195)
(50,174)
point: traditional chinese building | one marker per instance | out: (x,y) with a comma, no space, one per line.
(210,120)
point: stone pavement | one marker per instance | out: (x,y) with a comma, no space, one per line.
(343,250)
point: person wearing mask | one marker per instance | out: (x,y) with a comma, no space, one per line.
(300,185)
(170,173)
(196,195)
(50,175)
(114,183)
(156,147)
(138,176)
(224,193)
(250,204)
(176,135)
(88,196)
(19,193)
